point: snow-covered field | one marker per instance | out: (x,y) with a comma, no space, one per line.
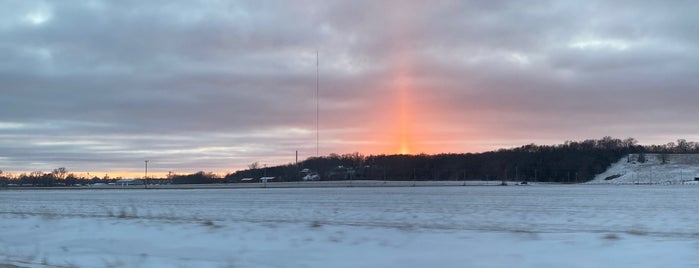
(677,169)
(514,226)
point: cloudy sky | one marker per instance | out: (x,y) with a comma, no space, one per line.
(101,86)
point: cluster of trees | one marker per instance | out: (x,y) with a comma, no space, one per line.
(682,146)
(196,178)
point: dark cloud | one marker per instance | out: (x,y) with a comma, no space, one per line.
(102,85)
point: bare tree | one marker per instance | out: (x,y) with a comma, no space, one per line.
(682,146)
(629,143)
(254,166)
(60,172)
(641,157)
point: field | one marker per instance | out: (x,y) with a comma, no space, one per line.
(514,226)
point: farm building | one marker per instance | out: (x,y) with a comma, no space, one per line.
(128,182)
(269,179)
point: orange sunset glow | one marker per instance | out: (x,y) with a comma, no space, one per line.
(404,118)
(402,136)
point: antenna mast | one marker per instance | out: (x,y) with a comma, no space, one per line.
(317,109)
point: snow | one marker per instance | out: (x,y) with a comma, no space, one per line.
(311,184)
(534,226)
(677,169)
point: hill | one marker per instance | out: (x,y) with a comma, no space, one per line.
(677,168)
(571,162)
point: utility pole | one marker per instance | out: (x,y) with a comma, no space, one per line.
(414,175)
(464,177)
(145,178)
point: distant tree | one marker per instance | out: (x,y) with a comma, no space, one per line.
(3,180)
(682,146)
(254,166)
(641,157)
(663,158)
(34,178)
(71,179)
(629,144)
(60,172)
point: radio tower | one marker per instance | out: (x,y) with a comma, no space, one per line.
(317,110)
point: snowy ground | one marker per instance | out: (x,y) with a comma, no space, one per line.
(522,226)
(304,184)
(677,169)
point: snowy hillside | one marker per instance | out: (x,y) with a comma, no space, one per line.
(678,168)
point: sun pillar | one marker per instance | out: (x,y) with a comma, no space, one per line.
(404,118)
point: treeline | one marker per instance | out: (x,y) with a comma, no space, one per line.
(572,161)
(58,177)
(682,146)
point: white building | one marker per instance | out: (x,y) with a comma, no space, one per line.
(128,182)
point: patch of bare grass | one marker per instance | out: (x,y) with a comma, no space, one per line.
(611,237)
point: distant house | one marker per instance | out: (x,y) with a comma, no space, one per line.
(312,176)
(341,173)
(247,180)
(269,179)
(128,182)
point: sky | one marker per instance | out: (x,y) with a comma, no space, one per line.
(102,86)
